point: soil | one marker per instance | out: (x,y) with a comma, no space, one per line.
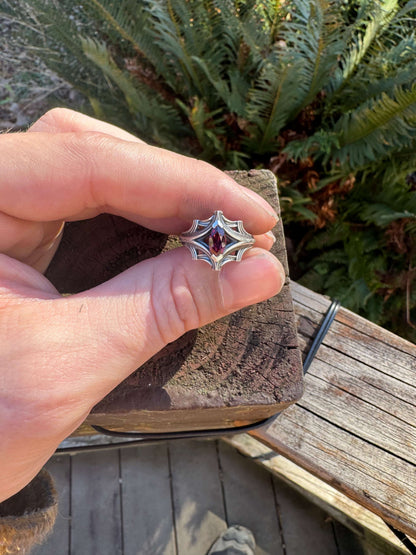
(27,87)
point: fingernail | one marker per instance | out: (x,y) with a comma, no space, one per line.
(282,274)
(271,236)
(260,202)
(256,278)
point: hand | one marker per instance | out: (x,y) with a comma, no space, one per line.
(58,361)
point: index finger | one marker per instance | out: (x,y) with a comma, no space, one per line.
(64,120)
(52,176)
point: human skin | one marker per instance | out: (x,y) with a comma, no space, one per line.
(60,355)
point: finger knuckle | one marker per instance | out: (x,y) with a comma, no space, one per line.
(87,150)
(176,305)
(84,144)
(52,119)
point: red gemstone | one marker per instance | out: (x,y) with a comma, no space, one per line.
(217,240)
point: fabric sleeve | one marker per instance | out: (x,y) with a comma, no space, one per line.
(28,517)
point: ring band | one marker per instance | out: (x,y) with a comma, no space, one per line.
(217,240)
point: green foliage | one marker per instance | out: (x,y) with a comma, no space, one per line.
(375,129)
(323,92)
(232,75)
(367,258)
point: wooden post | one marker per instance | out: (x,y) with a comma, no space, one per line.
(238,370)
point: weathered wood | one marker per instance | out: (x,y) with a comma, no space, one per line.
(238,370)
(96,527)
(250,500)
(152,488)
(297,513)
(348,542)
(355,426)
(148,525)
(366,527)
(197,497)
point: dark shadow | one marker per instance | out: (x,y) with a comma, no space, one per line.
(144,388)
(95,250)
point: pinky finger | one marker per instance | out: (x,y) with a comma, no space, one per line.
(265,241)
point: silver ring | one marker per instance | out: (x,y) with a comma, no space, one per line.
(217,240)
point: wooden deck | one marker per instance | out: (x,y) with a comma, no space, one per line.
(355,426)
(175,498)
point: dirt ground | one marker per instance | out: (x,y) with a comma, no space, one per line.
(27,87)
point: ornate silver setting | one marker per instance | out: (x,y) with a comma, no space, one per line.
(217,240)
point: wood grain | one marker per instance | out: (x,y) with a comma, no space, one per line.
(148,522)
(366,526)
(250,500)
(355,426)
(237,370)
(317,537)
(196,495)
(173,499)
(96,527)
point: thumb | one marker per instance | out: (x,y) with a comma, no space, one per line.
(134,315)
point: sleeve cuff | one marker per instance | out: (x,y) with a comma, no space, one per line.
(28,517)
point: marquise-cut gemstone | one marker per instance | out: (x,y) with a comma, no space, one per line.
(217,240)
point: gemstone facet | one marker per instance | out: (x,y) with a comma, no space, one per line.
(217,240)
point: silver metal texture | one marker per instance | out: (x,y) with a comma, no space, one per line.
(217,240)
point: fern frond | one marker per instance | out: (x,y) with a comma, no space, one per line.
(269,103)
(378,128)
(328,237)
(156,117)
(295,205)
(382,214)
(385,70)
(316,35)
(396,168)
(386,204)
(199,118)
(320,144)
(117,18)
(296,69)
(369,26)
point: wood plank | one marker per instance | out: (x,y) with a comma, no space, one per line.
(374,478)
(96,515)
(355,425)
(370,384)
(318,304)
(146,501)
(305,528)
(349,543)
(197,495)
(147,505)
(355,336)
(58,542)
(364,524)
(250,501)
(345,407)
